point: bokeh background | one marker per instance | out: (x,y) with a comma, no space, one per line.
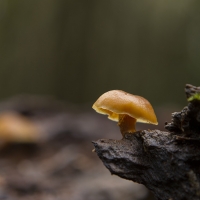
(76,50)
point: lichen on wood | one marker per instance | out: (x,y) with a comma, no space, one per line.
(166,162)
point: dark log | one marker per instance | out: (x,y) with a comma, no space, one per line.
(168,163)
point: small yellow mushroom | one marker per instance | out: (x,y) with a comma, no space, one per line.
(126,109)
(16,128)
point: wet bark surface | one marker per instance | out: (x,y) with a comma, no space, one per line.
(166,162)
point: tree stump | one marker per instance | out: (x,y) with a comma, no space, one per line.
(167,163)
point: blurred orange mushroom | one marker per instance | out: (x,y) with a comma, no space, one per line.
(17,128)
(126,109)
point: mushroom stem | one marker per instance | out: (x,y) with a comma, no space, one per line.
(126,124)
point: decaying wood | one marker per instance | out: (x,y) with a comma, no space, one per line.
(168,163)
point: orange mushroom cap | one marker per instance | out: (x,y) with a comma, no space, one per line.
(16,128)
(116,102)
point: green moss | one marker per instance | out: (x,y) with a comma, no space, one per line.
(196,96)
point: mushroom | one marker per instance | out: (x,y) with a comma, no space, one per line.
(126,109)
(16,128)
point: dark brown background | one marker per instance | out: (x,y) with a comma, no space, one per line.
(76,50)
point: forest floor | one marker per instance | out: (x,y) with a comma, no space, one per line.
(59,164)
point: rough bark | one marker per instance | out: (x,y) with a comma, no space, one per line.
(168,163)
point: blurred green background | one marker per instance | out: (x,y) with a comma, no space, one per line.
(76,50)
